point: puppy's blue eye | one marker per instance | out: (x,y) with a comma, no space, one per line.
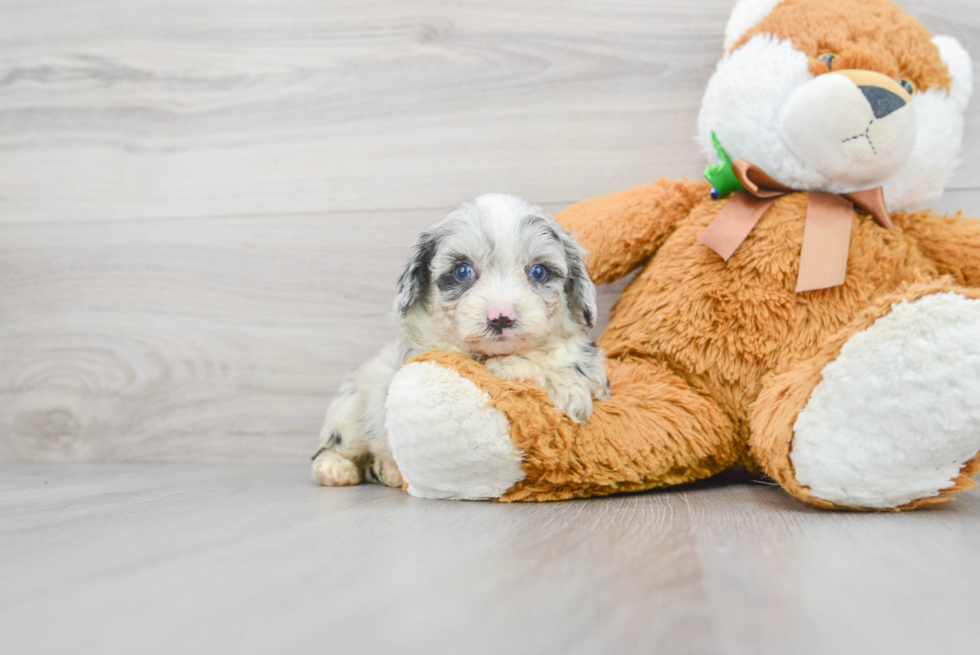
(908,86)
(538,273)
(464,273)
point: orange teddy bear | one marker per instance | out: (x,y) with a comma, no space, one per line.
(796,319)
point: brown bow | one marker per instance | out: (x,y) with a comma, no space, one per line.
(826,232)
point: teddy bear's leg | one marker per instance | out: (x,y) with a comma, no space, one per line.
(953,242)
(459,432)
(447,441)
(887,414)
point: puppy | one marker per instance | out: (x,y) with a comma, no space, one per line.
(498,280)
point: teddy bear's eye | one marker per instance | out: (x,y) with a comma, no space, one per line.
(908,85)
(828,58)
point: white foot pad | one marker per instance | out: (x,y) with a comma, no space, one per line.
(897,414)
(447,442)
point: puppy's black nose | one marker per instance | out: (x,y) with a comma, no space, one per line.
(498,324)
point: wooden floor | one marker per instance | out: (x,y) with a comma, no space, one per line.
(241,558)
(204,205)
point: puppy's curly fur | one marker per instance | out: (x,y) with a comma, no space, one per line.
(498,280)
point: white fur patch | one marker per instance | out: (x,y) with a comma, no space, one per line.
(939,137)
(897,414)
(960,68)
(446,441)
(744,16)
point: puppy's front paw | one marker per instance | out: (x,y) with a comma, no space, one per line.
(384,470)
(516,369)
(573,399)
(332,469)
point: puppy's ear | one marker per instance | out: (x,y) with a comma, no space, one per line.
(578,287)
(414,281)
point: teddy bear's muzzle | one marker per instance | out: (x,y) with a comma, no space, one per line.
(853,126)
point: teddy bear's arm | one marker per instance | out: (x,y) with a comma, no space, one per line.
(458,431)
(654,431)
(622,229)
(953,241)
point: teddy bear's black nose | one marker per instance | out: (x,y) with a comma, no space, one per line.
(882,101)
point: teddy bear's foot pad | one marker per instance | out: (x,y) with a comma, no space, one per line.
(448,443)
(896,416)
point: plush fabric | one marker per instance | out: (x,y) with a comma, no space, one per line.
(718,364)
(863,34)
(468,430)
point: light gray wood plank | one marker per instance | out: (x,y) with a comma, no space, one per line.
(171,109)
(204,205)
(161,558)
(266,561)
(790,578)
(151,340)
(953,201)
(164,340)
(120,110)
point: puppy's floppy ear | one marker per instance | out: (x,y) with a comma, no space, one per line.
(414,281)
(578,287)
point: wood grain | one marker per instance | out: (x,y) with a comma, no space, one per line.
(248,558)
(204,204)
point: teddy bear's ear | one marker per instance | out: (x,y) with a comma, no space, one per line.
(744,16)
(960,69)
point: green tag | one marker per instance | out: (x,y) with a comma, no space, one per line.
(721,175)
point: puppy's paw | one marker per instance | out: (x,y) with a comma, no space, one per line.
(516,369)
(602,390)
(384,470)
(332,469)
(571,397)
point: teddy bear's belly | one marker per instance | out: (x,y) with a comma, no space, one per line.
(724,325)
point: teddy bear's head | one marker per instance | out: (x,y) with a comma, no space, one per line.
(839,96)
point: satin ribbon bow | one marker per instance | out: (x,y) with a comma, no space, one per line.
(826,232)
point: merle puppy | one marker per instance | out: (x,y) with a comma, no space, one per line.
(498,280)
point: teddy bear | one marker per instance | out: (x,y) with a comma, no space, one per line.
(794,316)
